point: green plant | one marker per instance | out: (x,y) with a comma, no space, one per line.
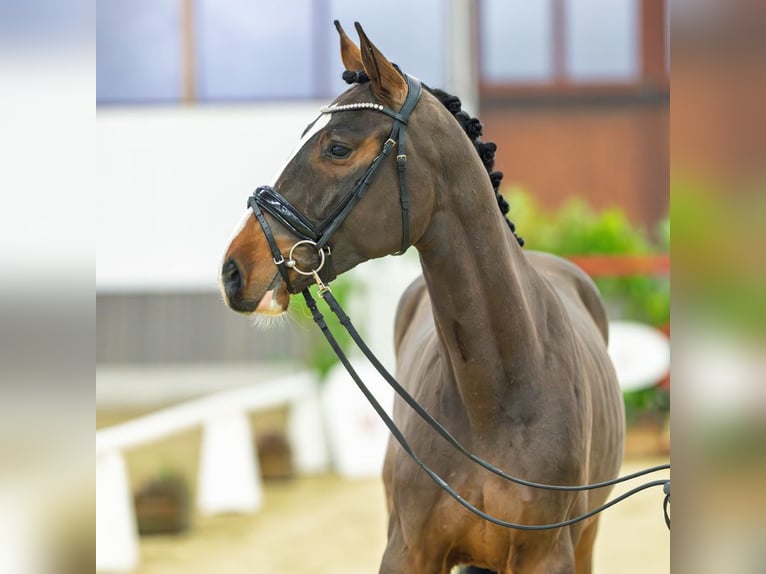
(646,404)
(719,234)
(163,504)
(576,229)
(320,355)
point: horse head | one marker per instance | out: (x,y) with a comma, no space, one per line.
(348,193)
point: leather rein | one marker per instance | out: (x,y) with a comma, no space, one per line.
(269,200)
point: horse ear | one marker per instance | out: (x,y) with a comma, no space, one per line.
(386,82)
(349,52)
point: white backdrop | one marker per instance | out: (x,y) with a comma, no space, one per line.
(172,184)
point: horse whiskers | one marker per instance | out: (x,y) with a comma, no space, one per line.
(265,322)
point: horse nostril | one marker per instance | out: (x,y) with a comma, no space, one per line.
(232,278)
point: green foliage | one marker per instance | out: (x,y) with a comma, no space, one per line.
(320,355)
(719,233)
(576,229)
(652,400)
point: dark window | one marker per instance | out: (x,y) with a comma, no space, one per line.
(547,42)
(602,40)
(139,51)
(241,50)
(516,41)
(249,50)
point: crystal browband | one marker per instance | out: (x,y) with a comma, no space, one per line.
(348,107)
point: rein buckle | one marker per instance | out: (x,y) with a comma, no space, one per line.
(321,286)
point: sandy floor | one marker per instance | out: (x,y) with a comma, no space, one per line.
(331,526)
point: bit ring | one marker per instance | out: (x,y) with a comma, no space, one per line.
(292,264)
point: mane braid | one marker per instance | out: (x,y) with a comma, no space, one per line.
(473,129)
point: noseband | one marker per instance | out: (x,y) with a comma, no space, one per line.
(269,200)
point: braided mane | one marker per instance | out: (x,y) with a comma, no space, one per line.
(473,129)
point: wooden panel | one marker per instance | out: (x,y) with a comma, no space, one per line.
(609,153)
(166,328)
(654,43)
(622,265)
(718,124)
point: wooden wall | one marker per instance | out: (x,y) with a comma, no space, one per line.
(607,142)
(155,328)
(612,150)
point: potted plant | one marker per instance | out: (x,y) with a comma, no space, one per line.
(162,505)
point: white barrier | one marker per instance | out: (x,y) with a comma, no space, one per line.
(640,354)
(116,530)
(229,477)
(356,435)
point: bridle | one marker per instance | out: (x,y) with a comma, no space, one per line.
(269,200)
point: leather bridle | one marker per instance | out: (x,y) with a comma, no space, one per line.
(269,200)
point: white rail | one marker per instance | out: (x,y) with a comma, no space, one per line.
(229,477)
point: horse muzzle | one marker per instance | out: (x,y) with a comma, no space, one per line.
(273,302)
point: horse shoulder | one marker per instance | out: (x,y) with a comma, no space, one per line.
(568,277)
(405,310)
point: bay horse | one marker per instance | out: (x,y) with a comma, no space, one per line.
(505,347)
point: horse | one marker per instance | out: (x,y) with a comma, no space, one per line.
(504,346)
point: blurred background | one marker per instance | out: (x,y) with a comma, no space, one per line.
(224,444)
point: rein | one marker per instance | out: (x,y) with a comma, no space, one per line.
(267,199)
(335,307)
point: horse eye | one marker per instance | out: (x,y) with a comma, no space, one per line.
(339,151)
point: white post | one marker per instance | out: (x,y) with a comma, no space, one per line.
(23,544)
(229,474)
(461,73)
(116,530)
(357,436)
(306,436)
(373,311)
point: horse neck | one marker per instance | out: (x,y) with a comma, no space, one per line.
(486,298)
